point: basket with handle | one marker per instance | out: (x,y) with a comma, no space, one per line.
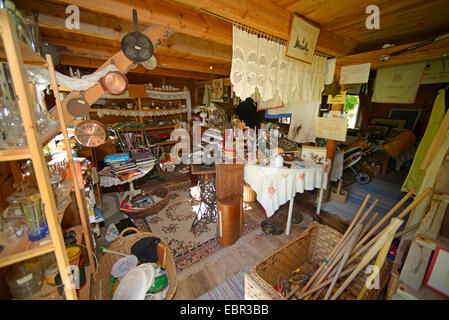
(249,195)
(306,252)
(123,244)
(152,209)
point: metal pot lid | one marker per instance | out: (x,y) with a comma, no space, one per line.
(150,64)
(115,83)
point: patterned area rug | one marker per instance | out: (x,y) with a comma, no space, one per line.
(231,289)
(173,223)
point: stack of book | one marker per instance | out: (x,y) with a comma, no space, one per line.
(144,159)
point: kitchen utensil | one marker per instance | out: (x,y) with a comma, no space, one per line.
(150,64)
(135,45)
(78,106)
(90,133)
(114,83)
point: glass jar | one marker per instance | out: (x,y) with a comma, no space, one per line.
(25,279)
(36,224)
(13,125)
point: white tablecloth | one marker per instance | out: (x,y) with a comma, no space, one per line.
(107,180)
(276,186)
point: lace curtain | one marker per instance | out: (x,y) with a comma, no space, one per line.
(259,63)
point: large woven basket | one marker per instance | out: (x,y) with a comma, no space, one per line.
(306,251)
(249,195)
(123,244)
(153,209)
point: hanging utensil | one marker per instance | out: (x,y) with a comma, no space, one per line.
(150,64)
(78,106)
(91,133)
(135,45)
(114,83)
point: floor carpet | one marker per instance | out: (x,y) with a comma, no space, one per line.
(388,194)
(173,223)
(231,289)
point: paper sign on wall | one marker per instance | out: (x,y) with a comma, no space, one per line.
(437,71)
(337,99)
(331,128)
(358,73)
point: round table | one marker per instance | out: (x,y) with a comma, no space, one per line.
(276,186)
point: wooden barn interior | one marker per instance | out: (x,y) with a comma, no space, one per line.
(224,150)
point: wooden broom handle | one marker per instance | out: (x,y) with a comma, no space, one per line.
(323,264)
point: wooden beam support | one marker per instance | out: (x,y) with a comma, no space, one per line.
(123,64)
(94,51)
(435,50)
(93,63)
(164,13)
(269,18)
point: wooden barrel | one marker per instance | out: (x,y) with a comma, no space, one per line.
(229,221)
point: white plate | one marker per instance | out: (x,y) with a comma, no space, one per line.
(133,286)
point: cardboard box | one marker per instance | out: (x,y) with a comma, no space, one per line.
(370,169)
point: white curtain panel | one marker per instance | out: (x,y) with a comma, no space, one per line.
(259,62)
(244,63)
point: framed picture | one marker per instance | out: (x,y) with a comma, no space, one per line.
(378,131)
(437,277)
(394,123)
(315,154)
(411,115)
(302,41)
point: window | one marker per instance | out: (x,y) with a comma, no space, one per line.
(352,110)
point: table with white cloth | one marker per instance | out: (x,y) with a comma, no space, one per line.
(276,186)
(109,180)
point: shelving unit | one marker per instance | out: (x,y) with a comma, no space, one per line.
(17,54)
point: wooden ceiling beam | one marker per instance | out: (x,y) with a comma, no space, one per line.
(94,63)
(433,51)
(89,50)
(52,17)
(269,18)
(164,13)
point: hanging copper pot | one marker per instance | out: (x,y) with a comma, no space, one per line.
(78,106)
(114,83)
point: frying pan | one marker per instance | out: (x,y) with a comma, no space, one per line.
(114,83)
(78,106)
(135,45)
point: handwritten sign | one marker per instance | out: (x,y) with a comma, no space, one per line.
(337,99)
(331,128)
(437,71)
(358,73)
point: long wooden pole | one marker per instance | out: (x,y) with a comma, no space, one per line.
(347,252)
(381,257)
(80,196)
(340,252)
(325,262)
(368,224)
(382,221)
(389,232)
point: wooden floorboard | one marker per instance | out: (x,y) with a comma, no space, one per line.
(243,256)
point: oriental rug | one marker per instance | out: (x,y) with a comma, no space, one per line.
(191,249)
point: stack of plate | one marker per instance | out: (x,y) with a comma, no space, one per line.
(135,283)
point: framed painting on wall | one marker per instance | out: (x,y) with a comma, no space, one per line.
(302,41)
(394,123)
(411,115)
(437,277)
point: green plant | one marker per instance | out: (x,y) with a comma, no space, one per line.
(351,101)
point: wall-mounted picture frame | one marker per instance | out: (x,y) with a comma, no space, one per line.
(411,115)
(302,40)
(394,123)
(377,130)
(437,277)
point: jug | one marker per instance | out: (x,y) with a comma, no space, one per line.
(35,222)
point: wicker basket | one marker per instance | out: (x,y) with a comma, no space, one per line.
(123,244)
(249,195)
(392,285)
(306,251)
(153,209)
